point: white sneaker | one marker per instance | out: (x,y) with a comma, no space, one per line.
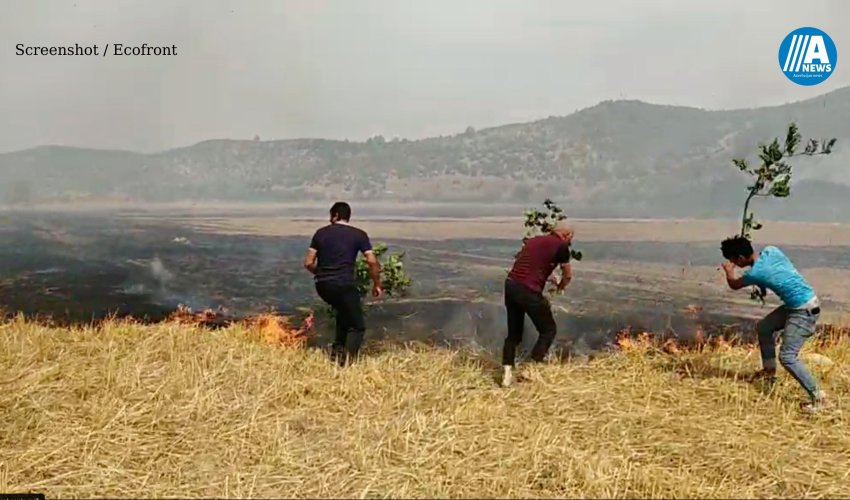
(816,405)
(507,377)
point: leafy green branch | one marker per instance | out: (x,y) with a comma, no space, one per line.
(538,222)
(395,281)
(773,177)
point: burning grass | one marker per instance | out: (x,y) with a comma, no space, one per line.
(126,410)
(271,328)
(726,340)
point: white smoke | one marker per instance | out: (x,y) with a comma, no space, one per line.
(170,292)
(163,275)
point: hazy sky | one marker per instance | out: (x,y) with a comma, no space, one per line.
(408,68)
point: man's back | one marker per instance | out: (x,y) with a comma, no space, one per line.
(537,260)
(774,271)
(337,246)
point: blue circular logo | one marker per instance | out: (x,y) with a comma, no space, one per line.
(807,56)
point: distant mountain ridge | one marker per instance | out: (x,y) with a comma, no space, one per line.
(617,158)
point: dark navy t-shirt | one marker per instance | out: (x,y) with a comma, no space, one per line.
(337,246)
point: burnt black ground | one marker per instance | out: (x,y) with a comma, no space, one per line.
(79,268)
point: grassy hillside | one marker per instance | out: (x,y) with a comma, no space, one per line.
(172,411)
(614,159)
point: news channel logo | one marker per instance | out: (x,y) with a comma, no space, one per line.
(807,56)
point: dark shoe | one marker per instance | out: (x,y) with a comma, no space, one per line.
(338,355)
(766,375)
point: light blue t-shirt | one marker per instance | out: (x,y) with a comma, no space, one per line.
(773,270)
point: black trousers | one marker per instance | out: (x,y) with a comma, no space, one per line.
(519,301)
(350,323)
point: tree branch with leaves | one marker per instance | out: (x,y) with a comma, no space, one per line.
(538,222)
(773,177)
(394,279)
(395,282)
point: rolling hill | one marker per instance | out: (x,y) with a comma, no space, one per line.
(617,158)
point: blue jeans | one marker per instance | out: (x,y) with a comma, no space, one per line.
(798,326)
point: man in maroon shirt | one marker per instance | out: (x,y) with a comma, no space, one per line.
(524,293)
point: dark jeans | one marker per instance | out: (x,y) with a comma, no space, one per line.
(519,301)
(350,324)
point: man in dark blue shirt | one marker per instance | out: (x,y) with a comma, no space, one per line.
(331,258)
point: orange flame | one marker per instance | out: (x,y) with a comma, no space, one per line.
(185,315)
(648,341)
(671,347)
(721,344)
(276,329)
(272,328)
(625,341)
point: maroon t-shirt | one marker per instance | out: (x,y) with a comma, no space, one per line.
(537,259)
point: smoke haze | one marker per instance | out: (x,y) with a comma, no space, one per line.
(352,69)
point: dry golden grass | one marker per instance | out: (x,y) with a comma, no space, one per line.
(125,410)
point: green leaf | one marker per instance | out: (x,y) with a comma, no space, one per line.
(394,279)
(780,188)
(811,147)
(792,139)
(741,164)
(827,148)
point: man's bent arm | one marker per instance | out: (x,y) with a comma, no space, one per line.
(566,275)
(734,282)
(374,267)
(310,262)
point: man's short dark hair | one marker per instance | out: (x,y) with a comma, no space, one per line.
(736,246)
(341,210)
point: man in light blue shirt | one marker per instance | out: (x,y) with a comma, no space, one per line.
(771,270)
